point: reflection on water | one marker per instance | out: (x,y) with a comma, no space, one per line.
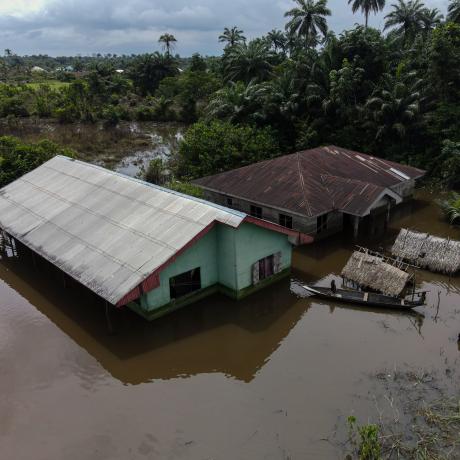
(176,345)
(271,376)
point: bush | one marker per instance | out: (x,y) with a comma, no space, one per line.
(219,146)
(18,158)
(186,188)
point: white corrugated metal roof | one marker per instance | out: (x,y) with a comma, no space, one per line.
(106,230)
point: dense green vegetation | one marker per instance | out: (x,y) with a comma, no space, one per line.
(394,93)
(18,158)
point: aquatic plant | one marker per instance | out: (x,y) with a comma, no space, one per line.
(451,208)
(368,446)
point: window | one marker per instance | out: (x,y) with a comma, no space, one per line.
(185,283)
(229,202)
(256,211)
(266,267)
(285,221)
(321,223)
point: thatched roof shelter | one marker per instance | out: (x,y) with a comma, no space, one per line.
(373,272)
(427,251)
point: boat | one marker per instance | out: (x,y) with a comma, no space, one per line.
(369,299)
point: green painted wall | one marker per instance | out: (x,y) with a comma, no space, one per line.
(202,254)
(225,256)
(254,243)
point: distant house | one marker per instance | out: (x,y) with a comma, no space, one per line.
(137,244)
(36,69)
(318,192)
(67,68)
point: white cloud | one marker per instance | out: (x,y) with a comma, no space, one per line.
(131,26)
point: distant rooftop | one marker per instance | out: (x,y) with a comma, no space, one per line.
(315,181)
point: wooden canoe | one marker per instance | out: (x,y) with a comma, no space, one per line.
(368,299)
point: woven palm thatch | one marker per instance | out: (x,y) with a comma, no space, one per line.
(372,272)
(426,251)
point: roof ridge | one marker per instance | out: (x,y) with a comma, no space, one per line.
(155,186)
(302,184)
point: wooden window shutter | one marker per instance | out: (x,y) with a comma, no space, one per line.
(277,262)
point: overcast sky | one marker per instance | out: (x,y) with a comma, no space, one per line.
(69,27)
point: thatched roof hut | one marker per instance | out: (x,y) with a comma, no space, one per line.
(373,272)
(427,251)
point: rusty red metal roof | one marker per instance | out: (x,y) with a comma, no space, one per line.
(313,182)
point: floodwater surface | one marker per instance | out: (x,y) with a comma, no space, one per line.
(274,376)
(126,148)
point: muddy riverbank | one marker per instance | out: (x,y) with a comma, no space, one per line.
(274,376)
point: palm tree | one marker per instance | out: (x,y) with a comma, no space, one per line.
(248,62)
(454,11)
(232,36)
(432,18)
(366,6)
(395,107)
(8,52)
(308,19)
(408,17)
(278,40)
(237,102)
(168,41)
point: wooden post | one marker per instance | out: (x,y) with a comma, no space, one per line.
(107,318)
(355,227)
(34,259)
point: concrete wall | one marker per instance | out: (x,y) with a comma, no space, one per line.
(302,224)
(405,189)
(225,257)
(254,243)
(202,254)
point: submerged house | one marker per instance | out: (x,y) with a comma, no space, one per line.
(137,244)
(318,192)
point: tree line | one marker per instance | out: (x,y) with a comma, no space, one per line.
(393,93)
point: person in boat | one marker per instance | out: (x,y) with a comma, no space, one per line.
(333,287)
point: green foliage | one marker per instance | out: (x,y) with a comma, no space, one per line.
(368,446)
(148,70)
(308,20)
(208,148)
(247,62)
(444,59)
(186,188)
(18,158)
(155,171)
(446,166)
(451,208)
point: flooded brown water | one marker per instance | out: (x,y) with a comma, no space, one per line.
(272,377)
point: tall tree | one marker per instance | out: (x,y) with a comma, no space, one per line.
(367,6)
(232,36)
(395,106)
(248,62)
(454,11)
(408,18)
(308,19)
(432,18)
(278,40)
(168,41)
